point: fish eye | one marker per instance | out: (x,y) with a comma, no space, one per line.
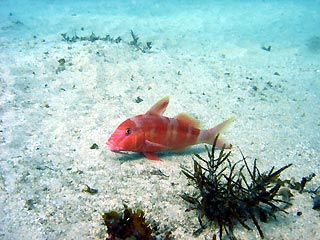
(128,131)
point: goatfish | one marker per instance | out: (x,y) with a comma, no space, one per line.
(152,132)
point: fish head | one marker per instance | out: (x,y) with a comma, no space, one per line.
(127,137)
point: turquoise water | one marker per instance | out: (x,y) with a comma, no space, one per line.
(209,22)
(256,60)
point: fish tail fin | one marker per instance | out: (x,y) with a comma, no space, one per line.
(209,135)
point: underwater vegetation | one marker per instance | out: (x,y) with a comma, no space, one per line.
(90,38)
(231,193)
(268,49)
(132,225)
(226,194)
(315,195)
(299,186)
(139,46)
(316,202)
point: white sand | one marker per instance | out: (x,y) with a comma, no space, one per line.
(208,58)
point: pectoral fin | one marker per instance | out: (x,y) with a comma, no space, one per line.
(151,156)
(151,148)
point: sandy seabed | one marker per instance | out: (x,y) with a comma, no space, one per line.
(51,116)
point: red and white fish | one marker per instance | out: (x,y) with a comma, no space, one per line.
(152,132)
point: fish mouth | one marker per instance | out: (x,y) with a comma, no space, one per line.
(112,147)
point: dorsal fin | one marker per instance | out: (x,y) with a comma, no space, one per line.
(188,120)
(160,107)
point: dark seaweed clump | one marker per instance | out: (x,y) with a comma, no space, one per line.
(316,197)
(227,197)
(299,186)
(91,38)
(131,225)
(135,43)
(138,45)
